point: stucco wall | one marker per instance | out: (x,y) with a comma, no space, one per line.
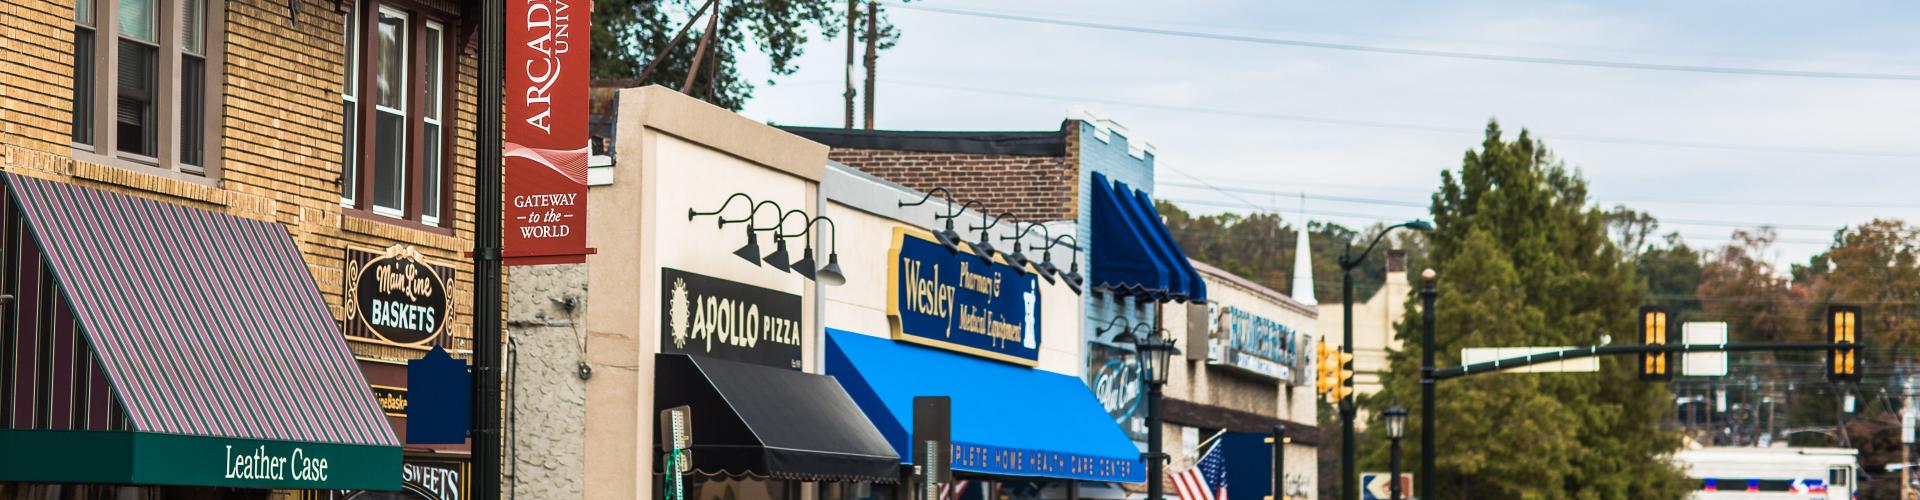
(546,324)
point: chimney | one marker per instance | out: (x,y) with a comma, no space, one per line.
(1396,261)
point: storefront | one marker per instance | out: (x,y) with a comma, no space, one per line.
(1248,369)
(937,316)
(152,350)
(703,298)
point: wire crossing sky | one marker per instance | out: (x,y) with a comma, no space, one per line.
(1797,115)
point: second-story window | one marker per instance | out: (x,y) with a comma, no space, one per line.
(394,102)
(140,86)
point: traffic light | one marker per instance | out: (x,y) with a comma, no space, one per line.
(1323,359)
(1342,376)
(1843,333)
(1654,366)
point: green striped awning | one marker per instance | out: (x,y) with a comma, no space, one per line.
(202,334)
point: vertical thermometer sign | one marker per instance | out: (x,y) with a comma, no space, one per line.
(546,131)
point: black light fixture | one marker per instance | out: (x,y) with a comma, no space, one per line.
(984,248)
(947,237)
(1156,352)
(780,259)
(829,274)
(1019,258)
(1072,277)
(1396,418)
(750,251)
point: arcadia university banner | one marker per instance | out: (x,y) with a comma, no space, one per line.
(546,131)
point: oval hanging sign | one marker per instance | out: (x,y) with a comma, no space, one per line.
(396,296)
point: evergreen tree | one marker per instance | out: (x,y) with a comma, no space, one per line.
(1524,260)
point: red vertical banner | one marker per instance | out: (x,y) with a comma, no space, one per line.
(546,131)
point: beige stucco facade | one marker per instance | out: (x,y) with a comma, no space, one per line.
(672,154)
(1228,396)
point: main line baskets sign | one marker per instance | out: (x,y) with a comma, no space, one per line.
(396,297)
(962,302)
(545,147)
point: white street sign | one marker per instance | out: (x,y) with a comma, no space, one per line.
(1704,364)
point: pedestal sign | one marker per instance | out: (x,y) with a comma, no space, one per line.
(932,442)
(545,147)
(676,436)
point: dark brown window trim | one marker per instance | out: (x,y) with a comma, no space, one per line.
(409,224)
(167,113)
(418,15)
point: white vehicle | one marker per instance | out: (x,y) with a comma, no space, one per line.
(1777,472)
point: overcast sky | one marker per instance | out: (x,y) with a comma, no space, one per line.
(1380,126)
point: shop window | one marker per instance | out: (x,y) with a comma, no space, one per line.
(140,88)
(393,110)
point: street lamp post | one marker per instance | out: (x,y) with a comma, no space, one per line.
(1396,428)
(1156,353)
(1349,477)
(1427,421)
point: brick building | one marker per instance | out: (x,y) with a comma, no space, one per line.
(349,123)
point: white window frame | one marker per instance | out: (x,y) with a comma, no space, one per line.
(431,114)
(406,45)
(349,157)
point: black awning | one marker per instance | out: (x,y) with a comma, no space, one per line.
(752,420)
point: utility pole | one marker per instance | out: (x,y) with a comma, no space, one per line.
(873,55)
(852,12)
(488,187)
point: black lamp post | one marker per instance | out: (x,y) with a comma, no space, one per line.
(1349,477)
(1396,418)
(1156,354)
(1427,432)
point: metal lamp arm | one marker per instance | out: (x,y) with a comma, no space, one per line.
(928,196)
(750,215)
(782,224)
(834,242)
(994,222)
(1114,322)
(1349,261)
(691,213)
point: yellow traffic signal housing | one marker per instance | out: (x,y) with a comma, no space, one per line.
(1342,376)
(1654,366)
(1323,360)
(1843,336)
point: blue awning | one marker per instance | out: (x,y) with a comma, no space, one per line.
(1134,254)
(1122,261)
(1196,287)
(1007,420)
(1130,205)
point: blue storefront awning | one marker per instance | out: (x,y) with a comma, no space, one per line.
(1007,419)
(1133,253)
(1123,261)
(1196,287)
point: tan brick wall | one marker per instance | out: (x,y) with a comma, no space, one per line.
(280,136)
(1040,188)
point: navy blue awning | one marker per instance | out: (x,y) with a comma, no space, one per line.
(1134,254)
(1196,287)
(1007,420)
(1122,261)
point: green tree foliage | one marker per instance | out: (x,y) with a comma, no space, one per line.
(628,33)
(1671,272)
(1260,247)
(1523,260)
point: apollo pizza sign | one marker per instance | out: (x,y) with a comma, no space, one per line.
(546,131)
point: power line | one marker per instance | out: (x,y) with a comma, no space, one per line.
(1598,139)
(1771,202)
(1687,68)
(1423,206)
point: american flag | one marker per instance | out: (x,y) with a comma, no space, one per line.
(1206,480)
(952,490)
